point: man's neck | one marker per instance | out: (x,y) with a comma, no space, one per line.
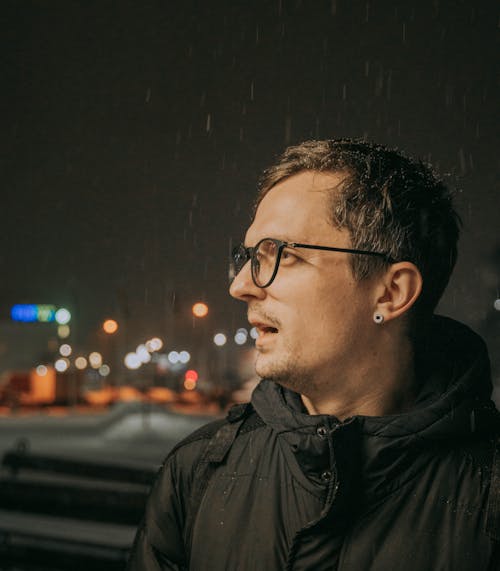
(386,386)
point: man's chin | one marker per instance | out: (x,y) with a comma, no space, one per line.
(265,367)
(272,373)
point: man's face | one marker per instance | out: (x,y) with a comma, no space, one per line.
(313,320)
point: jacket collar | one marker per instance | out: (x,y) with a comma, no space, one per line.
(453,400)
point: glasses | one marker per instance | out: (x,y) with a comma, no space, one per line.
(266,255)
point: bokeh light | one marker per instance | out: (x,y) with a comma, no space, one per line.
(189,384)
(65,350)
(173,357)
(191,374)
(110,326)
(80,363)
(63,316)
(143,354)
(154,344)
(220,339)
(95,360)
(41,370)
(104,370)
(132,361)
(63,331)
(240,338)
(162,363)
(200,309)
(61,365)
(184,357)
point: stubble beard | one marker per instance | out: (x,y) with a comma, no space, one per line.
(285,371)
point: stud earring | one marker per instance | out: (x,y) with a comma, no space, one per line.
(378,318)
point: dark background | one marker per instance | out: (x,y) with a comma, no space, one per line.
(134,132)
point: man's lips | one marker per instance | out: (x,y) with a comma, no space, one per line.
(262,328)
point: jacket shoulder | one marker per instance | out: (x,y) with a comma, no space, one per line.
(244,414)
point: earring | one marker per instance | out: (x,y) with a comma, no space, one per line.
(378,318)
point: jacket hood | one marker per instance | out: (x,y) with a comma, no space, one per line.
(453,400)
(455,385)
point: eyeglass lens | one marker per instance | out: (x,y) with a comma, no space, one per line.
(264,258)
(264,261)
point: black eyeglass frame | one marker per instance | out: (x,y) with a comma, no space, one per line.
(281,244)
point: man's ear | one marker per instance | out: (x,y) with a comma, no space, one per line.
(400,288)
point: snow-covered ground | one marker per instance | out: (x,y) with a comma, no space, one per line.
(130,433)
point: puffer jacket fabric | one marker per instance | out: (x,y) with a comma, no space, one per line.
(418,491)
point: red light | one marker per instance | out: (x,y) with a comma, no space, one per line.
(191,375)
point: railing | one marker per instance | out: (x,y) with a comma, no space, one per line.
(59,514)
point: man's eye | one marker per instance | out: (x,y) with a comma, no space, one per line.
(288,256)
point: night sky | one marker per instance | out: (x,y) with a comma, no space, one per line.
(134,133)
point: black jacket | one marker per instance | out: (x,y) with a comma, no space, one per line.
(274,488)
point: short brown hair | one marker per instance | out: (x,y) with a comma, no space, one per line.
(388,202)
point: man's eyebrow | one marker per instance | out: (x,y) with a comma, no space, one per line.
(282,237)
(285,238)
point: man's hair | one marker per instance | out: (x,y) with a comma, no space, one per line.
(388,202)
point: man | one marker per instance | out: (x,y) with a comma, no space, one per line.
(371,443)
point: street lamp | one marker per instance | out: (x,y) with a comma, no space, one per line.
(110,326)
(200,309)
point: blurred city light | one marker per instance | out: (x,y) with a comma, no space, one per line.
(184,357)
(240,338)
(31,312)
(154,344)
(220,339)
(189,384)
(61,365)
(95,360)
(191,375)
(63,331)
(200,309)
(496,305)
(63,316)
(190,378)
(173,357)
(104,370)
(132,361)
(41,370)
(162,363)
(110,326)
(65,350)
(43,385)
(254,333)
(24,312)
(80,363)
(143,354)
(45,313)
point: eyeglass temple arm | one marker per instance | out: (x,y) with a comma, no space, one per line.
(346,250)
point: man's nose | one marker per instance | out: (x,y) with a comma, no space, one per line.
(243,288)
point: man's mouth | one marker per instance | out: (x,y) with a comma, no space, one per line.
(263,329)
